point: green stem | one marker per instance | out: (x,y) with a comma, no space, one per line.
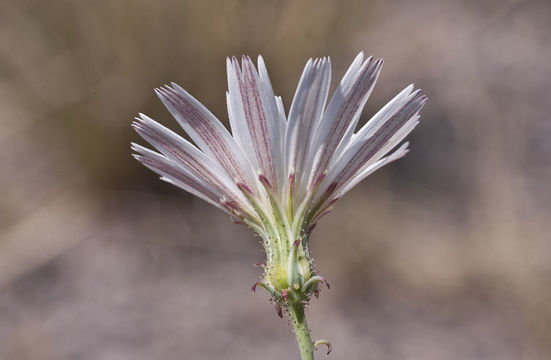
(298,318)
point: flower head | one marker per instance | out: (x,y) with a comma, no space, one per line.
(280,174)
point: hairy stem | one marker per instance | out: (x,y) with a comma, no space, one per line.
(298,318)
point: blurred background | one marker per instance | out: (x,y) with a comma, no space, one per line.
(443,255)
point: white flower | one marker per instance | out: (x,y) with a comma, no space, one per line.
(280,174)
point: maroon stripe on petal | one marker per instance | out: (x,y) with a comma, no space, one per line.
(165,167)
(381,136)
(346,116)
(181,151)
(202,127)
(256,118)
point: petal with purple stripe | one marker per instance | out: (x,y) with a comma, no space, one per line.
(182,152)
(382,138)
(398,154)
(305,114)
(206,131)
(342,113)
(171,172)
(261,117)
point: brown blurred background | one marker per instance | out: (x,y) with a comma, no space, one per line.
(443,255)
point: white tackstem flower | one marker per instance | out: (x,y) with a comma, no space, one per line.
(279,175)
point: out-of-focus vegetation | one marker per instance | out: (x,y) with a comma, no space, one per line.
(443,255)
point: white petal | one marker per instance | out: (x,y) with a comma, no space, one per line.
(385,137)
(305,115)
(262,121)
(185,154)
(206,131)
(371,167)
(170,171)
(343,112)
(386,112)
(257,114)
(236,111)
(399,153)
(277,123)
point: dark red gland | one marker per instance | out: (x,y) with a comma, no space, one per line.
(284,295)
(278,310)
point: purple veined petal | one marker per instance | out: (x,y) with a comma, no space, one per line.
(305,115)
(397,154)
(277,123)
(269,92)
(236,111)
(352,127)
(349,77)
(366,132)
(342,113)
(386,136)
(171,172)
(396,139)
(262,120)
(185,154)
(368,169)
(261,117)
(385,113)
(206,131)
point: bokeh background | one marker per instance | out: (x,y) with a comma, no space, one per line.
(443,255)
